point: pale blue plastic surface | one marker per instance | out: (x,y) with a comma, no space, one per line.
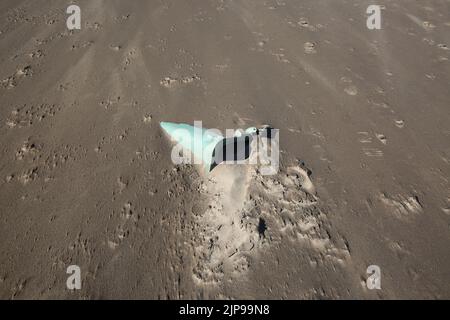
(201,142)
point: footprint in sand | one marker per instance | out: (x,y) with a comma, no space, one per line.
(247,212)
(28,176)
(400,123)
(127,224)
(115,47)
(128,59)
(305,24)
(27,115)
(310,48)
(288,202)
(147,118)
(428,25)
(381,137)
(429,41)
(12,81)
(351,90)
(364,137)
(28,149)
